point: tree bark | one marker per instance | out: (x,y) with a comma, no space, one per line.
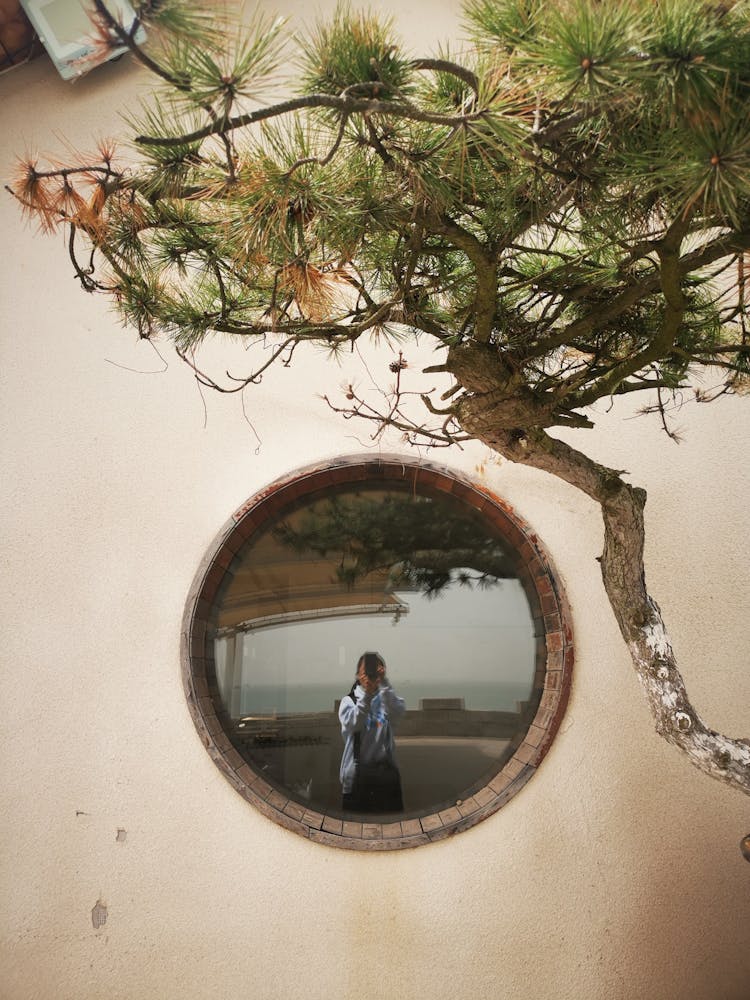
(637,614)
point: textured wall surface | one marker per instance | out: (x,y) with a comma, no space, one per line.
(131,870)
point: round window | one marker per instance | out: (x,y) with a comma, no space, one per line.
(377,653)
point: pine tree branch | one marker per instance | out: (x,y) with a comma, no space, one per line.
(723,246)
(637,614)
(345,105)
(325,160)
(670,282)
(446,66)
(128,39)
(485,268)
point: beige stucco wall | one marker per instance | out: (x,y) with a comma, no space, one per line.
(614,874)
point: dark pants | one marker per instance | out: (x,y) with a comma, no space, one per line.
(376,789)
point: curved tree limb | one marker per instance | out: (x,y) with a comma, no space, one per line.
(637,614)
(345,105)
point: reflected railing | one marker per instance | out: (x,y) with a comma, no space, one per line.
(443,750)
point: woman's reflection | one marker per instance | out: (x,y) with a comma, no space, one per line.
(370,778)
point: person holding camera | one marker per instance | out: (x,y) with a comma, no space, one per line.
(370,778)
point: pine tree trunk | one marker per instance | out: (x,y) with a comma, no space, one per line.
(637,614)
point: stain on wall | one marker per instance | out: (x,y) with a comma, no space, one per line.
(99,915)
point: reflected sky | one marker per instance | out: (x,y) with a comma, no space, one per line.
(419,578)
(465,642)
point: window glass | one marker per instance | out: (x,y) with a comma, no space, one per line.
(418,577)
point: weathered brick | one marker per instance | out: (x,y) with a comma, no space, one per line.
(468,806)
(313,819)
(411,827)
(391,829)
(432,822)
(451,815)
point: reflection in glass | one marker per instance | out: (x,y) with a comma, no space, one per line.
(423,580)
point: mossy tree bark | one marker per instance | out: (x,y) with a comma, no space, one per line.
(637,613)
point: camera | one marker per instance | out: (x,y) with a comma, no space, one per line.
(373,663)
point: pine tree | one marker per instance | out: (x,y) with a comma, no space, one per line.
(563,209)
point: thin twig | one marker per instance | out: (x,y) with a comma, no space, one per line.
(327,158)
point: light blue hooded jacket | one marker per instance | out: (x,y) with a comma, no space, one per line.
(372,716)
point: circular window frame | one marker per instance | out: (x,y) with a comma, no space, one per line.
(553,667)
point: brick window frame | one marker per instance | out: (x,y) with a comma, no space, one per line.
(553,669)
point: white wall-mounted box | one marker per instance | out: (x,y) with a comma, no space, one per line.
(68,31)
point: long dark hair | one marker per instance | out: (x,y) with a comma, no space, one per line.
(365,658)
(371,661)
